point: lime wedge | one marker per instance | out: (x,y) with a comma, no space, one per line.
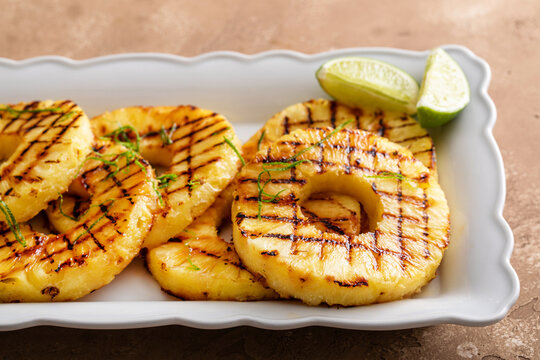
(359,81)
(444,91)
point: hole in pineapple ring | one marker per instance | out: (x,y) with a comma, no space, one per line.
(322,189)
(332,212)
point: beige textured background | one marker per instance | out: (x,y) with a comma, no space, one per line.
(504,32)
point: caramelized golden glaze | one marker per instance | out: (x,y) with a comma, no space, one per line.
(190,142)
(91,250)
(408,220)
(44,143)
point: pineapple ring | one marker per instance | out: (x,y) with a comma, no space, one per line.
(190,142)
(408,220)
(197,264)
(44,142)
(95,248)
(397,127)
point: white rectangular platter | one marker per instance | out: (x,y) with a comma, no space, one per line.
(476,284)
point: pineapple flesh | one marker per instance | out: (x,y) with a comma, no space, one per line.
(190,143)
(92,249)
(44,143)
(407,220)
(197,264)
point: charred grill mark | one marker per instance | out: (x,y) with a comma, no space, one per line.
(374,187)
(302,124)
(412,199)
(379,115)
(189,172)
(296,238)
(312,217)
(204,252)
(188,160)
(360,282)
(199,119)
(347,171)
(117,183)
(295,209)
(333,106)
(220,131)
(270,253)
(326,222)
(429,150)
(194,132)
(111,218)
(400,126)
(77,210)
(309,116)
(400,219)
(8,191)
(290,180)
(425,218)
(375,250)
(50,291)
(357,116)
(321,158)
(91,234)
(77,261)
(412,138)
(29,106)
(178,124)
(206,150)
(54,142)
(286,125)
(403,217)
(349,153)
(23,254)
(185,147)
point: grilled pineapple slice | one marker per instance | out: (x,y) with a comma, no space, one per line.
(44,143)
(190,142)
(398,127)
(91,250)
(199,265)
(408,219)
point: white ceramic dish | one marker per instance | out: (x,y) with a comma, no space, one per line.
(476,284)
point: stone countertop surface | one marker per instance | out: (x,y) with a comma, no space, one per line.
(504,32)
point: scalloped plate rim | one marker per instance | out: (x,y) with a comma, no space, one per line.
(239,320)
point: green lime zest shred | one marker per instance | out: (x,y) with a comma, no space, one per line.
(193,184)
(61,203)
(66,116)
(260,140)
(12,223)
(166,136)
(166,180)
(191,266)
(389,175)
(230,143)
(121,136)
(17,112)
